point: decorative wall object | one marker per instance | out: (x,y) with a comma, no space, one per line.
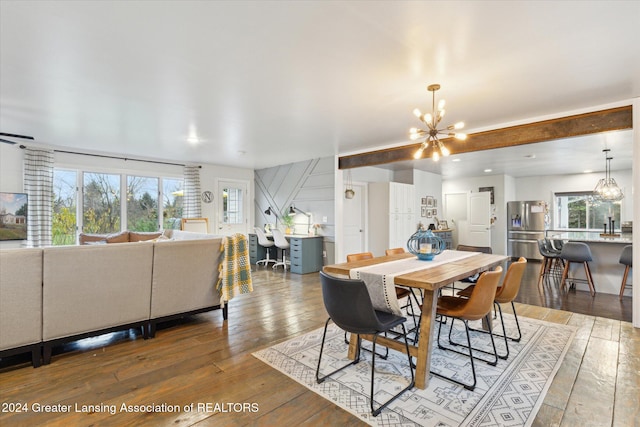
(487,189)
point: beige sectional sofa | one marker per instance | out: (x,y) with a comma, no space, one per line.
(58,294)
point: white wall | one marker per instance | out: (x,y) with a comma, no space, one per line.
(427,184)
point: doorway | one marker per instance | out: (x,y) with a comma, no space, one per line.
(233,209)
(355,220)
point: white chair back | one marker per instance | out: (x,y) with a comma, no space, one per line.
(279,239)
(262,238)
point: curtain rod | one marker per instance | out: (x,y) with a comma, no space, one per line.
(117,158)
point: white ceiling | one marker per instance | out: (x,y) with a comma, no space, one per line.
(266,83)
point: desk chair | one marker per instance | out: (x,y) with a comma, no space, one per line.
(476,307)
(349,306)
(506,293)
(266,244)
(283,244)
(626,258)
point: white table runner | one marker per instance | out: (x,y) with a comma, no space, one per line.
(379,278)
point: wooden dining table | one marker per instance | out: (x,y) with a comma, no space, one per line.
(429,281)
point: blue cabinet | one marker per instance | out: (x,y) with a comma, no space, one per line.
(305,254)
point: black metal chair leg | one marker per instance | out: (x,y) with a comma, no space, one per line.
(376,412)
(324,335)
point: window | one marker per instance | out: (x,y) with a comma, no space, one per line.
(142,203)
(232,205)
(64,224)
(111,202)
(172,196)
(580,211)
(101,203)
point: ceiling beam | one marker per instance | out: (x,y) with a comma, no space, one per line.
(564,127)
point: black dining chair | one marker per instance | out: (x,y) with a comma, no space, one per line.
(349,306)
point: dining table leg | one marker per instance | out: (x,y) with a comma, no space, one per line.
(427,322)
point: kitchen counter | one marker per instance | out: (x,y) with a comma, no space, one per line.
(605,251)
(589,237)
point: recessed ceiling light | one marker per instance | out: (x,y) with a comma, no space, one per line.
(488,170)
(457,159)
(587,171)
(193,140)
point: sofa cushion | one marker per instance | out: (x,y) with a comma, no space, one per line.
(85,238)
(95,287)
(142,236)
(122,237)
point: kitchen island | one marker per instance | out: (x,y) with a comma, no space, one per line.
(605,267)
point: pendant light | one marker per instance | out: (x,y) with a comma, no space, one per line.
(607,189)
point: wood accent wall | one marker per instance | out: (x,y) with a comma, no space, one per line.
(547,130)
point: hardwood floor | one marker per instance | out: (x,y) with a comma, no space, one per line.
(204,360)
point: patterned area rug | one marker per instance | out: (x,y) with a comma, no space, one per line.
(508,394)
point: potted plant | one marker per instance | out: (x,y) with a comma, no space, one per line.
(288,223)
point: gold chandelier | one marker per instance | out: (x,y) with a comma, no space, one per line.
(607,189)
(432,121)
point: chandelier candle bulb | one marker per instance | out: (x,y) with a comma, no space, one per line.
(432,133)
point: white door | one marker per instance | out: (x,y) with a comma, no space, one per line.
(479,220)
(233,209)
(354,221)
(455,212)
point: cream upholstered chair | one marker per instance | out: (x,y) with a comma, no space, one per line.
(196,225)
(282,243)
(266,244)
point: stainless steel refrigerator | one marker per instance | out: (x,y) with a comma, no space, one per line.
(526,223)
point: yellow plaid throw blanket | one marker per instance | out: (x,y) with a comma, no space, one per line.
(235,269)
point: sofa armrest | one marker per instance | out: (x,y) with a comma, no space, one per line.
(20,297)
(185,274)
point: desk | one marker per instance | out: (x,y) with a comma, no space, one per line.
(429,280)
(305,252)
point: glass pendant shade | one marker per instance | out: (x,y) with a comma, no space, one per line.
(607,189)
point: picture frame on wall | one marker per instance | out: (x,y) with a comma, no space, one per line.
(430,201)
(423,211)
(434,212)
(424,201)
(429,213)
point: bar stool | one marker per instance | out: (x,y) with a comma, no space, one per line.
(282,243)
(266,244)
(550,260)
(577,252)
(626,258)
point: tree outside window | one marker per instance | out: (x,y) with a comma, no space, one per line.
(63,225)
(581,211)
(142,203)
(101,203)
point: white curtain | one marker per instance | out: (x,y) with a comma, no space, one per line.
(38,184)
(191,201)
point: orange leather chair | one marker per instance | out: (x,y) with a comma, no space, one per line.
(476,307)
(506,293)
